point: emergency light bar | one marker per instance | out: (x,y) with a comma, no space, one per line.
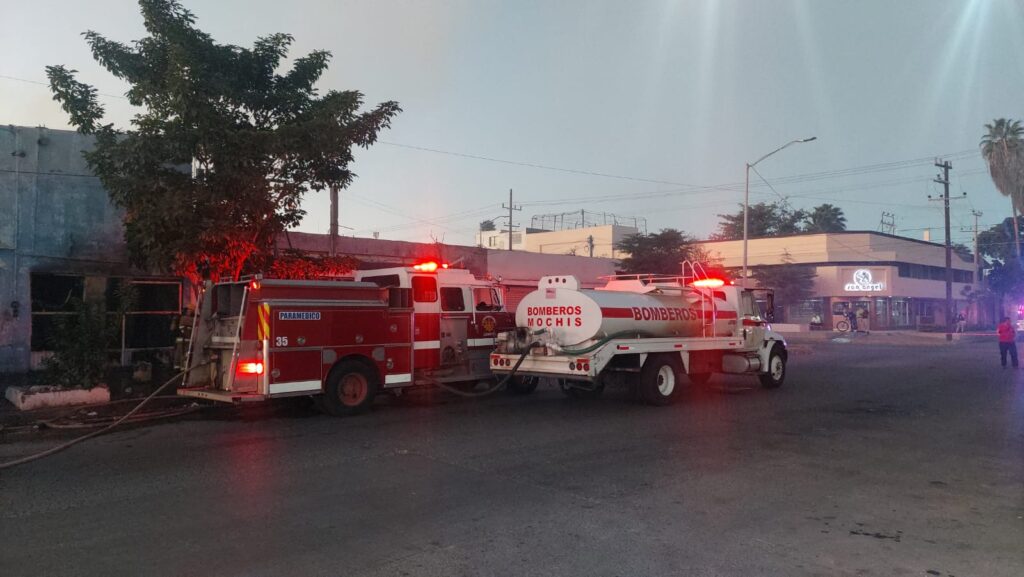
(429,266)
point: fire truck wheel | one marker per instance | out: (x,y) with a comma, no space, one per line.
(776,374)
(522,385)
(586,391)
(659,379)
(351,387)
(699,378)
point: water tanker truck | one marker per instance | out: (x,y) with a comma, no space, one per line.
(644,331)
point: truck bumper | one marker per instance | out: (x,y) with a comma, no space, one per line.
(577,368)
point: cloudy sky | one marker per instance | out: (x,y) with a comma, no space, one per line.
(645,108)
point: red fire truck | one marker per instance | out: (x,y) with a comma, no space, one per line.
(647,331)
(388,329)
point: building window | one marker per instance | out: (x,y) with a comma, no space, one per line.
(151,309)
(53,297)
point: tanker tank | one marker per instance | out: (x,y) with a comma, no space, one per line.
(571,317)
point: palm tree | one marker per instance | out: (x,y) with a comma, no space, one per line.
(1003,149)
(825,218)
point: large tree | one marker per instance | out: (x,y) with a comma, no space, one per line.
(1003,149)
(825,218)
(256,141)
(764,219)
(792,283)
(659,253)
(998,243)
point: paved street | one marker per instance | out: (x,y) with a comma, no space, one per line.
(876,458)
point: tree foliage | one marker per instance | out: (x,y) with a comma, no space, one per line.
(997,243)
(764,220)
(779,219)
(825,218)
(487,225)
(1003,149)
(659,253)
(791,282)
(256,140)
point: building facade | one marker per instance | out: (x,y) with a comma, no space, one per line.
(61,241)
(890,282)
(592,241)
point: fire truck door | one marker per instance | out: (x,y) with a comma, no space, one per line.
(454,325)
(753,324)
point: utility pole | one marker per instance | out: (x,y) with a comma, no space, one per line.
(943,179)
(510,208)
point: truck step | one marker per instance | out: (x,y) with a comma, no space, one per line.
(220,396)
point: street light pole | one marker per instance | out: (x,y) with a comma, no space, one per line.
(746,197)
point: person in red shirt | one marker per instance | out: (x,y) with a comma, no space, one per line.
(1007,342)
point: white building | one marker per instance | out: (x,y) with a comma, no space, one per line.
(592,241)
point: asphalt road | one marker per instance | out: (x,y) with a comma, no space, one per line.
(876,458)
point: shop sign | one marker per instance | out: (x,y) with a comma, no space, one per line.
(863,282)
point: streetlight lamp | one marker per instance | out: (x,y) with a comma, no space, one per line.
(746,196)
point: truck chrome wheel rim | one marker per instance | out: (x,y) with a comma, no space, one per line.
(353,389)
(777,367)
(666,380)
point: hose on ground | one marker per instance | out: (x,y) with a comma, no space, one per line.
(501,383)
(87,436)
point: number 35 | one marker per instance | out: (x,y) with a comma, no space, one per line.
(281,341)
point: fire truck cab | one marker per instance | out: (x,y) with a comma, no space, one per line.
(389,329)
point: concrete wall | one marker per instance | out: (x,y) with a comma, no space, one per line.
(54,217)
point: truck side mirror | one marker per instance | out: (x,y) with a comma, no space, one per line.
(769,312)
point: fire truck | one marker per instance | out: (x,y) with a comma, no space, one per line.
(646,331)
(344,341)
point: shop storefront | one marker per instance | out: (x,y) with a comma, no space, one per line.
(885,281)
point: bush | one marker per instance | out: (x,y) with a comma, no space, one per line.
(79,346)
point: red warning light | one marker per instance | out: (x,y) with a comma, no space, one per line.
(708,283)
(254,285)
(250,368)
(429,266)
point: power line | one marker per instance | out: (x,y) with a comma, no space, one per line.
(47,84)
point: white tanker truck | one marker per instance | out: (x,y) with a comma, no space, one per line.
(657,328)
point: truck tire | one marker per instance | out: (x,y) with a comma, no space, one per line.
(350,389)
(776,374)
(699,378)
(522,385)
(590,391)
(659,379)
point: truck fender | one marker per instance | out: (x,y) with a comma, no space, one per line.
(766,350)
(358,358)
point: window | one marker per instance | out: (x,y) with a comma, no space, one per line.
(424,289)
(53,297)
(486,299)
(451,299)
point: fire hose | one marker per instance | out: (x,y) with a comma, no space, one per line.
(87,436)
(498,385)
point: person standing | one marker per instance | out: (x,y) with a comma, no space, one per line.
(1007,342)
(961,322)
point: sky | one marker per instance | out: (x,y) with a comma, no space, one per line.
(639,108)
